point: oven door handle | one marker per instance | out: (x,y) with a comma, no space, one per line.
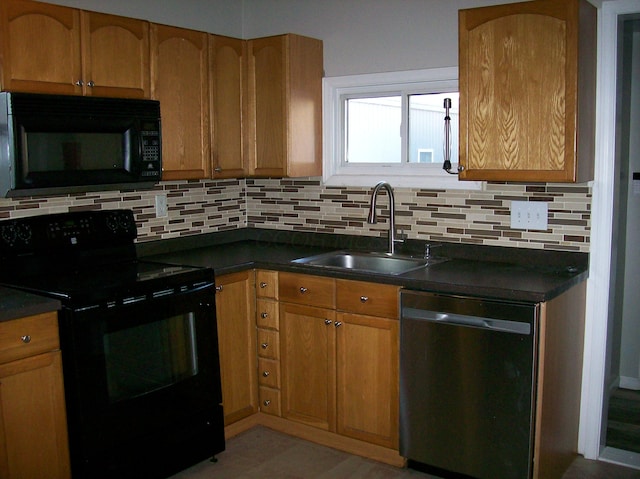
(150,296)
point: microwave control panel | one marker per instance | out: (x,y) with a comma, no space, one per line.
(151,145)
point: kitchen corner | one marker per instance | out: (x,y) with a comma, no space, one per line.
(552,283)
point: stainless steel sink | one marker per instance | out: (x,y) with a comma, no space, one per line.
(370,262)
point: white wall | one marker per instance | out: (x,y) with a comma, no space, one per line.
(360,36)
(223,17)
(368,36)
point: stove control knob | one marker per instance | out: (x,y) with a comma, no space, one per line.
(9,235)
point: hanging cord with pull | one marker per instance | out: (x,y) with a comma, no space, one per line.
(446,166)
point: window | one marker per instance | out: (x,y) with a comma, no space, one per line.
(390,126)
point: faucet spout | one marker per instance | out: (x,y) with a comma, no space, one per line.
(392,213)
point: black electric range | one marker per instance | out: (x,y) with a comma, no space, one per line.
(138,341)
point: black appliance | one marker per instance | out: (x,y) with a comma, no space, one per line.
(64,143)
(138,339)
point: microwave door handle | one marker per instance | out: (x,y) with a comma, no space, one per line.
(140,146)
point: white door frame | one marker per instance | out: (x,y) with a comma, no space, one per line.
(595,357)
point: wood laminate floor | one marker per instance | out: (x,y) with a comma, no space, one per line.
(266,454)
(623,421)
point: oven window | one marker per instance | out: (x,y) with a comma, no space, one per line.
(151,356)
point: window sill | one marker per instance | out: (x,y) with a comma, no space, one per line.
(443,181)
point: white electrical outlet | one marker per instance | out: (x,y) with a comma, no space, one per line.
(161,206)
(529,215)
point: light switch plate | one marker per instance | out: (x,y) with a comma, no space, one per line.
(529,215)
(161,206)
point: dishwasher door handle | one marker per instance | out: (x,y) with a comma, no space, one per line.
(502,325)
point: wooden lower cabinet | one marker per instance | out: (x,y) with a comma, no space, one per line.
(367,378)
(33,425)
(237,344)
(308,343)
(340,372)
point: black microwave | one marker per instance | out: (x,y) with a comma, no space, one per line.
(61,144)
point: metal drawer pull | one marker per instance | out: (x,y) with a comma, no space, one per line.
(327,322)
(264,315)
(263,284)
(26,339)
(303,289)
(265,345)
(266,374)
(338,324)
(364,299)
(219,288)
(267,402)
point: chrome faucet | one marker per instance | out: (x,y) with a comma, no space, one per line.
(392,213)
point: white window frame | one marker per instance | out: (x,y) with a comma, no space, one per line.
(425,176)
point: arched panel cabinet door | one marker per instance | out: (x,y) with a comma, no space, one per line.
(40,48)
(180,81)
(527,91)
(228,80)
(115,56)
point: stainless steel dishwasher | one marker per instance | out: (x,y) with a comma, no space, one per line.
(467,375)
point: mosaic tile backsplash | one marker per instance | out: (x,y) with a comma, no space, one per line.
(207,206)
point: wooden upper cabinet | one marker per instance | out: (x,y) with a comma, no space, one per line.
(527,91)
(228,75)
(60,50)
(40,47)
(115,56)
(180,81)
(285,106)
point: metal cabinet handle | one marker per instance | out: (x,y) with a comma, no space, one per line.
(91,84)
(264,315)
(338,324)
(263,284)
(266,402)
(364,299)
(217,169)
(327,322)
(266,374)
(264,345)
(26,339)
(303,290)
(219,288)
(79,83)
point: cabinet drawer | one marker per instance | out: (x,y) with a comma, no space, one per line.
(367,298)
(20,338)
(308,290)
(267,314)
(270,401)
(268,344)
(269,373)
(267,284)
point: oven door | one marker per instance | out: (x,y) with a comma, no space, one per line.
(142,381)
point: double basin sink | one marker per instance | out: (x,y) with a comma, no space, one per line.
(370,262)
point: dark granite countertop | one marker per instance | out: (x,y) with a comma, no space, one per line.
(16,304)
(494,272)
